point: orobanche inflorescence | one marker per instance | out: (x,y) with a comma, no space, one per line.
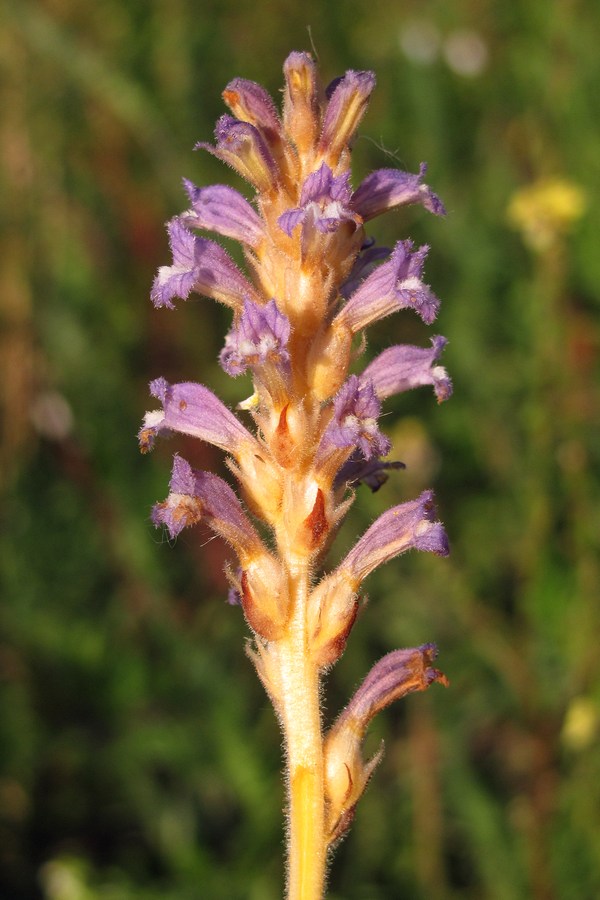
(313,283)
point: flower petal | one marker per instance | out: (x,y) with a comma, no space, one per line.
(324,204)
(354,421)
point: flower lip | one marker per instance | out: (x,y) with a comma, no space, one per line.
(199,265)
(354,421)
(259,338)
(324,203)
(196,495)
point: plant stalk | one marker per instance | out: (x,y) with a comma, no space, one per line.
(301,720)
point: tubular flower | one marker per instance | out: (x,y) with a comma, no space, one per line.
(398,673)
(309,434)
(202,266)
(404,367)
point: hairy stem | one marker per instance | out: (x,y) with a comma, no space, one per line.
(300,711)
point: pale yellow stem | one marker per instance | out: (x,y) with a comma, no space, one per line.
(301,721)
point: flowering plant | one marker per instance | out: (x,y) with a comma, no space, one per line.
(314,284)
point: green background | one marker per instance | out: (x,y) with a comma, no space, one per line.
(138,755)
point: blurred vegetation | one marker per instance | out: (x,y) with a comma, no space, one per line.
(138,755)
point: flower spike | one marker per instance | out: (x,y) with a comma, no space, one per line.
(311,283)
(354,421)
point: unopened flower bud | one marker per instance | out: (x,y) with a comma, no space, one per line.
(347,105)
(301,100)
(241,146)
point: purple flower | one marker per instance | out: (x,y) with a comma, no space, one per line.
(396,674)
(396,284)
(258,338)
(192,409)
(202,266)
(354,421)
(241,146)
(373,472)
(408,526)
(403,367)
(195,496)
(324,203)
(386,188)
(222,209)
(348,100)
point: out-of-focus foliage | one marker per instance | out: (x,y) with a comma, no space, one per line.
(138,755)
